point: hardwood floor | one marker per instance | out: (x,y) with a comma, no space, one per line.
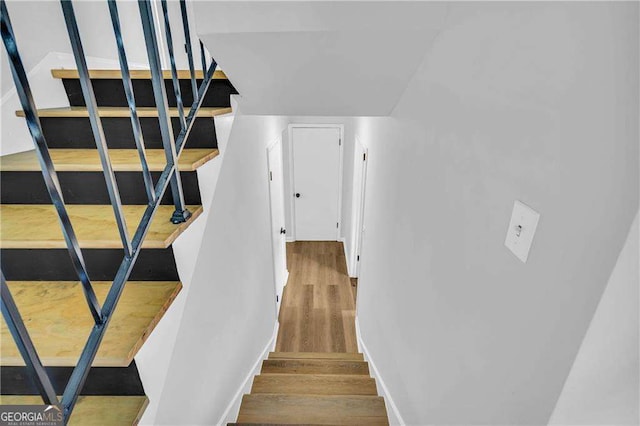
(318,307)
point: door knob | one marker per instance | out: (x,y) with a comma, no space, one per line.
(283,231)
(297,195)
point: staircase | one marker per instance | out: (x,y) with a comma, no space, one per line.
(313,388)
(34,255)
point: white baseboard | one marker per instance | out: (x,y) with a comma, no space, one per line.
(350,266)
(231,412)
(392,410)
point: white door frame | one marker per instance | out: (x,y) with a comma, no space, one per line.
(359,213)
(273,235)
(292,204)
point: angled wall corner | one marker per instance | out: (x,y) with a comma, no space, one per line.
(603,385)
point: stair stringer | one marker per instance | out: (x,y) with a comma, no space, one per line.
(154,358)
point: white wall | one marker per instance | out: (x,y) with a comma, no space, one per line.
(230,310)
(320,57)
(43,44)
(154,358)
(40,29)
(602,387)
(461,331)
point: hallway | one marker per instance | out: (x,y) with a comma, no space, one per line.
(318,307)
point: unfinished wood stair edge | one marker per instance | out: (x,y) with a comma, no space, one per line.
(143,74)
(164,293)
(153,323)
(110,241)
(122,160)
(195,213)
(122,112)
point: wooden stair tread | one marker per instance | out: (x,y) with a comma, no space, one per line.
(316,409)
(122,112)
(58,320)
(135,74)
(314,366)
(351,356)
(37,226)
(94,410)
(314,384)
(88,160)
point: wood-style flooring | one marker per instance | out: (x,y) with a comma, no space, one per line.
(318,307)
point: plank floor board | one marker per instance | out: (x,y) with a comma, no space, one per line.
(135,74)
(314,384)
(318,308)
(36,226)
(316,409)
(122,112)
(88,160)
(95,410)
(58,320)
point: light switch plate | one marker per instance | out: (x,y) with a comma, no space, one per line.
(522,228)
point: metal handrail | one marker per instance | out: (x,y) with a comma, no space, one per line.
(170,176)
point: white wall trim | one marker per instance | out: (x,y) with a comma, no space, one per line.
(291,171)
(395,418)
(343,240)
(358,206)
(278,300)
(230,414)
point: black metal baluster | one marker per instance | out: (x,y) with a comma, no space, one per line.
(181,214)
(172,61)
(169,176)
(184,134)
(203,57)
(44,158)
(96,123)
(128,90)
(187,47)
(25,344)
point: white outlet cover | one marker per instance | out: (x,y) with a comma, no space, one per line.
(527,218)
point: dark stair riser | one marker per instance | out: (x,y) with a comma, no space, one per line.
(89,188)
(75,132)
(110,92)
(120,381)
(102,264)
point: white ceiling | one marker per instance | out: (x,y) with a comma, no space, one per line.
(319,58)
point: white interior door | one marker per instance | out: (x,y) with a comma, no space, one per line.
(316,182)
(278,232)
